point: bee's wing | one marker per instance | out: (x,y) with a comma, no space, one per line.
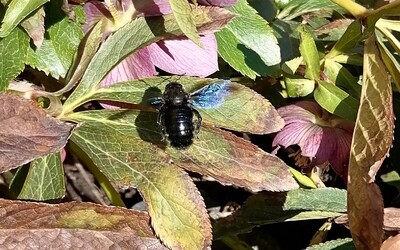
(157,102)
(211,96)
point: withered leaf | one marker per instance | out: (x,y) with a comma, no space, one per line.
(34,26)
(391,219)
(372,139)
(74,225)
(27,132)
(392,243)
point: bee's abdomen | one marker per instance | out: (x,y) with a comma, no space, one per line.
(179,126)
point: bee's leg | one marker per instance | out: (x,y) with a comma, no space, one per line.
(199,120)
(161,123)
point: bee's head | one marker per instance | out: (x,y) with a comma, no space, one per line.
(175,94)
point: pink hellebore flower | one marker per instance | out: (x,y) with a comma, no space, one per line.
(177,56)
(322,137)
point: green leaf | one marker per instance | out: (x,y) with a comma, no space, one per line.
(339,244)
(60,45)
(182,11)
(297,8)
(13,50)
(297,86)
(16,12)
(214,152)
(133,36)
(109,190)
(336,101)
(291,66)
(248,43)
(242,110)
(353,59)
(340,76)
(304,180)
(45,180)
(288,38)
(319,199)
(372,139)
(348,41)
(234,161)
(309,52)
(88,48)
(392,178)
(268,208)
(267,9)
(242,60)
(176,208)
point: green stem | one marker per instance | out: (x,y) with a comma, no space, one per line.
(235,243)
(354,8)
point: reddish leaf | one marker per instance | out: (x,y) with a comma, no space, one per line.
(372,139)
(27,132)
(74,225)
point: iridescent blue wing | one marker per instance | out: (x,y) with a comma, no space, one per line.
(212,95)
(157,102)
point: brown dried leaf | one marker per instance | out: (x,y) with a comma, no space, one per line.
(73,225)
(34,26)
(27,132)
(372,139)
(392,243)
(334,25)
(391,219)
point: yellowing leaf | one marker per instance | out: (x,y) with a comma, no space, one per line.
(182,11)
(113,142)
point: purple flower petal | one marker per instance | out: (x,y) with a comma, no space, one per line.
(220,3)
(183,57)
(320,135)
(152,7)
(135,66)
(340,157)
(94,11)
(312,141)
(296,114)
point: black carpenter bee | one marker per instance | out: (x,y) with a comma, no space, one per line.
(178,118)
